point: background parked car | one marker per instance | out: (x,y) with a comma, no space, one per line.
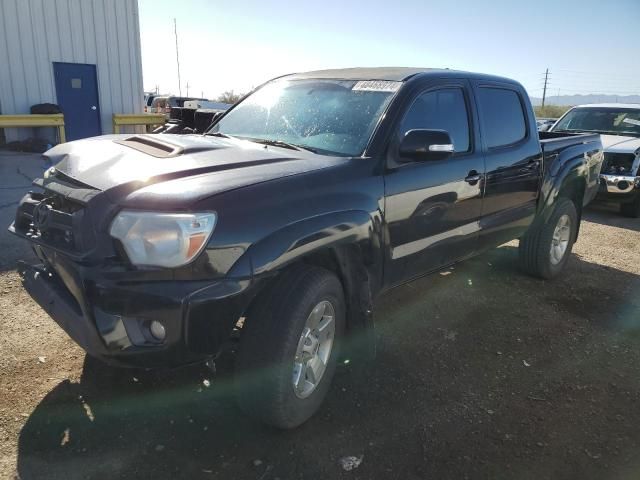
(619,127)
(148,101)
(173,101)
(158,104)
(545,124)
(208,104)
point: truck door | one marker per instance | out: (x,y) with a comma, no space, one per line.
(432,208)
(513,162)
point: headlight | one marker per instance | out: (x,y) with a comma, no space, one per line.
(162,239)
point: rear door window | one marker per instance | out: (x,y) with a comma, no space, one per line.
(502,116)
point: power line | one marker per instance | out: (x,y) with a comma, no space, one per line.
(597,86)
(584,85)
(597,81)
(598,73)
(603,91)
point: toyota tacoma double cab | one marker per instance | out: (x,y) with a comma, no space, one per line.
(279,226)
(619,128)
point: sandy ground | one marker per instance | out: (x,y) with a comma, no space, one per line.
(482,372)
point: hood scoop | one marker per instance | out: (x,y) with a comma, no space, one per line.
(151,146)
(133,162)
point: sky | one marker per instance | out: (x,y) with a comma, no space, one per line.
(588,46)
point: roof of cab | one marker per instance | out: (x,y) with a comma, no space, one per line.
(397,74)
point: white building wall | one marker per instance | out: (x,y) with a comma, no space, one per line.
(36,33)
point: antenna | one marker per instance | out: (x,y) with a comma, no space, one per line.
(175,30)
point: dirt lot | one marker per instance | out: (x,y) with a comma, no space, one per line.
(481,373)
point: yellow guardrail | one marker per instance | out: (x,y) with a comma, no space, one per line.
(35,120)
(120,119)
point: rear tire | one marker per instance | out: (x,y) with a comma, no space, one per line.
(632,209)
(545,249)
(278,346)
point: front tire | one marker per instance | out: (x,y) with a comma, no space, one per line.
(545,249)
(289,347)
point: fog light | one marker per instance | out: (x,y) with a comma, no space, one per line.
(157,330)
(623,185)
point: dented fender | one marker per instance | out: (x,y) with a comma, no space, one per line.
(299,239)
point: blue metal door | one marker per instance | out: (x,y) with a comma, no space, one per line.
(77,92)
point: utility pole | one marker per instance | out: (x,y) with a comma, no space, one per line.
(187,88)
(175,30)
(544,92)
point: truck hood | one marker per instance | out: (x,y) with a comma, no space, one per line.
(620,144)
(160,169)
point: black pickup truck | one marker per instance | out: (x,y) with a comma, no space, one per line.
(283,222)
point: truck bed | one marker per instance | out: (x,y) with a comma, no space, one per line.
(553,141)
(561,150)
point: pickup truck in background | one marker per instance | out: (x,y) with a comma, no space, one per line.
(545,124)
(207,104)
(619,126)
(280,225)
(195,116)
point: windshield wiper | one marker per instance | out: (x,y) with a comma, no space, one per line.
(280,143)
(620,134)
(576,130)
(304,147)
(601,132)
(218,134)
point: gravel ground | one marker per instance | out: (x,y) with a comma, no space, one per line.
(482,372)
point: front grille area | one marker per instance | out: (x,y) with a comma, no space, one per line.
(51,219)
(618,164)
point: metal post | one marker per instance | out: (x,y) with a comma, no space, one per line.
(175,30)
(544,92)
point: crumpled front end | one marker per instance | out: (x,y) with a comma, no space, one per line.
(619,177)
(149,317)
(119,322)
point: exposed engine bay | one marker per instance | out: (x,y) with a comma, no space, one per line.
(620,164)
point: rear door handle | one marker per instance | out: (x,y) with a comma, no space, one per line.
(473,177)
(531,165)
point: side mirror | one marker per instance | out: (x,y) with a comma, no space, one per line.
(426,145)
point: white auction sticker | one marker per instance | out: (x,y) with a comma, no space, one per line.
(632,121)
(376,86)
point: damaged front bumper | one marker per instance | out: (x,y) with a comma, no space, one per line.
(619,188)
(110,319)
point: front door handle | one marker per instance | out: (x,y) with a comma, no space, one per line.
(473,177)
